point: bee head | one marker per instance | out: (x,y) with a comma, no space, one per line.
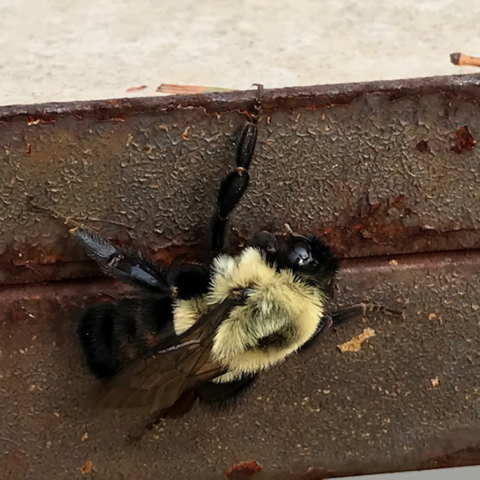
(304,255)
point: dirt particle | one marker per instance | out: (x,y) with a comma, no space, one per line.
(87,467)
(185,134)
(355,344)
(435,382)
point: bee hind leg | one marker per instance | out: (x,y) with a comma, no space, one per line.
(233,186)
(220,395)
(121,264)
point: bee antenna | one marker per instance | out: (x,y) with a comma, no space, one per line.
(52,213)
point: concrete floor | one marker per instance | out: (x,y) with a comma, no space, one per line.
(83,50)
(464,473)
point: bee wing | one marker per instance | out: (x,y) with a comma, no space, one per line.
(180,363)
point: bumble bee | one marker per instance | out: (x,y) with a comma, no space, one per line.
(206,331)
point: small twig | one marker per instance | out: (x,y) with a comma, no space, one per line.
(461,60)
(79,223)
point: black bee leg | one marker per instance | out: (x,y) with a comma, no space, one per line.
(357,311)
(235,183)
(324,326)
(113,261)
(220,394)
(345,315)
(121,264)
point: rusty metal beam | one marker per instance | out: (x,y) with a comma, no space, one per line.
(377,410)
(387,172)
(377,168)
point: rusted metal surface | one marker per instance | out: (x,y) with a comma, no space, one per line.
(375,410)
(378,168)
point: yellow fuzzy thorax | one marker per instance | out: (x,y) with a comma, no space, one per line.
(277,302)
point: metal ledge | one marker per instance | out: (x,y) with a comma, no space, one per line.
(377,168)
(323,413)
(387,172)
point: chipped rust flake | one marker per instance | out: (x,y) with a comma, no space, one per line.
(463,141)
(243,470)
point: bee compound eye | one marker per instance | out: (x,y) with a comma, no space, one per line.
(300,253)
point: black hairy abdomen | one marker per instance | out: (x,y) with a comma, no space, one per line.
(192,281)
(112,334)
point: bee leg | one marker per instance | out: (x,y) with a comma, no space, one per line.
(358,311)
(219,394)
(233,186)
(113,261)
(120,264)
(324,326)
(345,315)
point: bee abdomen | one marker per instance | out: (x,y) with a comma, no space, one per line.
(113,334)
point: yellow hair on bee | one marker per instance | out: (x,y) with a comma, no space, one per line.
(187,312)
(279,305)
(280,310)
